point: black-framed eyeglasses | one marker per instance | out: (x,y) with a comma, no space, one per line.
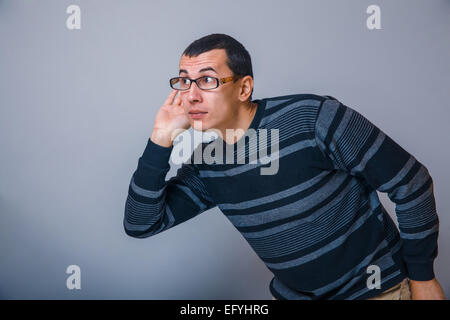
(203,83)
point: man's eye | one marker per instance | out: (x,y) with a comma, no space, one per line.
(185,81)
(207,79)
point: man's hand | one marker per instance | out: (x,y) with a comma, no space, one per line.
(170,121)
(426,290)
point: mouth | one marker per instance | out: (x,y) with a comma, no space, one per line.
(197,114)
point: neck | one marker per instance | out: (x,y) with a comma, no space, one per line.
(242,120)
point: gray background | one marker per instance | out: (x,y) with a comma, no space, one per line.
(77,108)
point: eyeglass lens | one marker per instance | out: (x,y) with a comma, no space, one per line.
(182,83)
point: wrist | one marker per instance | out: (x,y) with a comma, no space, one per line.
(161,137)
(426,290)
(422,282)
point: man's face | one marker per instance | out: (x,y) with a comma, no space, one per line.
(219,103)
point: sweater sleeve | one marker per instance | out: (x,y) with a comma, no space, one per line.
(356,145)
(155,204)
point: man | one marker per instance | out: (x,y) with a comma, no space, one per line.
(317,222)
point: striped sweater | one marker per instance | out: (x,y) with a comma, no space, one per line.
(317,224)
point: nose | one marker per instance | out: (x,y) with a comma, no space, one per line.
(194,93)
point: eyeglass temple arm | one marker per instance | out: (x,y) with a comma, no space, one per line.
(227,79)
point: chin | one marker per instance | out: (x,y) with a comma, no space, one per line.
(199,125)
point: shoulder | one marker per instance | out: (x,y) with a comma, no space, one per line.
(277,100)
(302,107)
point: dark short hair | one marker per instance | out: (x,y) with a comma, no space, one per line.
(238,58)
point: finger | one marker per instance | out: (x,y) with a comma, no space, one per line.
(171,96)
(178,101)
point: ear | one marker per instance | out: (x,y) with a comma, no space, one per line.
(245,88)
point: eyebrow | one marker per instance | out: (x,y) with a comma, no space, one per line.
(201,70)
